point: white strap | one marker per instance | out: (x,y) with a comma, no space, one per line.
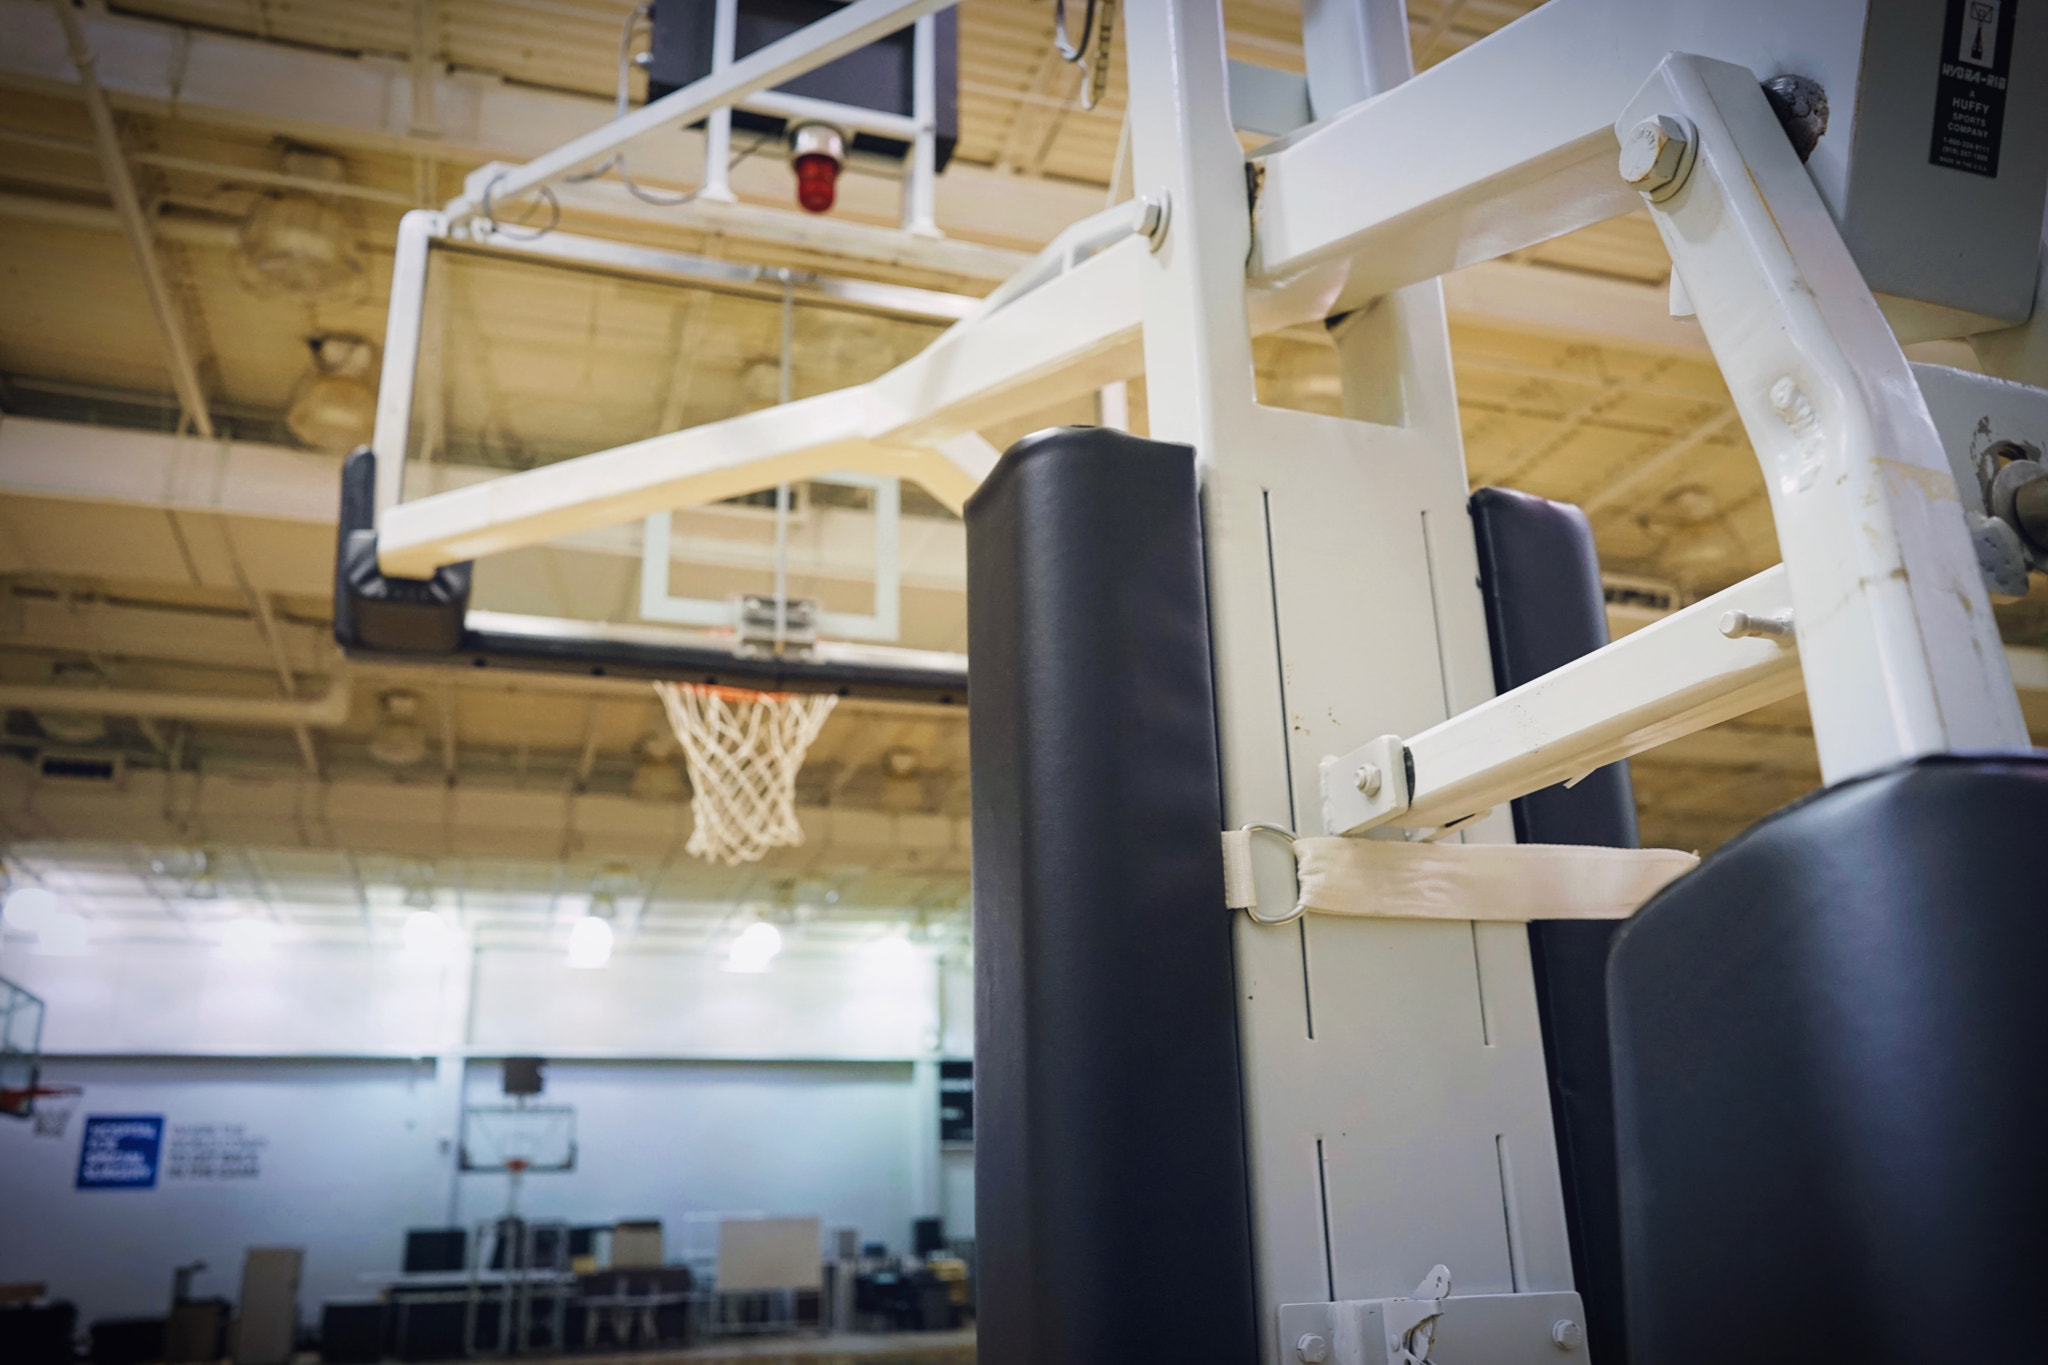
(1511,882)
(1239,891)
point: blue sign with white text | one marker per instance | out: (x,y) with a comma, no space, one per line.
(120,1152)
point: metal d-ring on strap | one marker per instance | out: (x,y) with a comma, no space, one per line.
(1300,907)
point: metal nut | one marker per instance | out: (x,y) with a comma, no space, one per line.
(1311,1349)
(1567,1335)
(1155,217)
(1368,779)
(1653,155)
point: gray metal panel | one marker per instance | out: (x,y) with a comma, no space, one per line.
(1928,232)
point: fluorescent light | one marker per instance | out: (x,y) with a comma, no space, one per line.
(590,942)
(428,937)
(63,934)
(247,937)
(29,907)
(755,948)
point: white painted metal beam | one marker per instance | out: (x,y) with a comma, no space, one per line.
(1068,337)
(1896,635)
(811,46)
(329,99)
(1669,679)
(1510,142)
(135,226)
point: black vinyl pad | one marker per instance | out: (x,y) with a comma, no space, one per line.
(1111,1207)
(1540,577)
(1829,1080)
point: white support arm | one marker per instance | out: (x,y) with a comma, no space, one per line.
(1510,142)
(1665,681)
(808,48)
(1901,653)
(1068,337)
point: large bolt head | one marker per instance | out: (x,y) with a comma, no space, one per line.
(1567,1335)
(1653,152)
(1311,1349)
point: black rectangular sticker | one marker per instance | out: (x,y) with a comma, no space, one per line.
(1969,101)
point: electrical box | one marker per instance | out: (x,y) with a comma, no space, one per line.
(877,76)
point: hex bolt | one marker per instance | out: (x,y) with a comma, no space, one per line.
(1567,1335)
(1368,779)
(1155,217)
(1311,1349)
(1656,156)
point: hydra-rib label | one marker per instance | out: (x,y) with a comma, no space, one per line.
(1969,100)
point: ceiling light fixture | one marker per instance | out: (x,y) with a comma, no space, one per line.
(333,407)
(400,740)
(755,948)
(590,942)
(297,242)
(656,777)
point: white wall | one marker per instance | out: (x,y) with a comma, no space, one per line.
(795,1091)
(666,1139)
(137,998)
(349,1160)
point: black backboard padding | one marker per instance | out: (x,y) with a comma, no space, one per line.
(1112,1218)
(1540,577)
(1829,1085)
(398,616)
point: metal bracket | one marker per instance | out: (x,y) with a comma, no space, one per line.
(1500,1329)
(1368,786)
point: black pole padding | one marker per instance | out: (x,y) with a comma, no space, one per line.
(1539,575)
(380,614)
(1112,1209)
(1828,1075)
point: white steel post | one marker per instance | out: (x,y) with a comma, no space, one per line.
(1397,1110)
(921,167)
(718,127)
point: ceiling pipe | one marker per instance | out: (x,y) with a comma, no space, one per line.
(324,712)
(135,225)
(185,230)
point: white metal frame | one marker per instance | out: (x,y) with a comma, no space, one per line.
(1397,1107)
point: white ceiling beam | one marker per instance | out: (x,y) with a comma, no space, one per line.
(429,819)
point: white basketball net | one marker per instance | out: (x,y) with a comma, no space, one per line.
(744,750)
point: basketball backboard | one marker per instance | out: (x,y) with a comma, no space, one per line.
(523,1139)
(530,353)
(21,1042)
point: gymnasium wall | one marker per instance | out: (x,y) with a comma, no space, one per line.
(333,1084)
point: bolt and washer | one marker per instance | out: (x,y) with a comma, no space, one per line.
(1311,1349)
(1367,779)
(1567,1335)
(1656,156)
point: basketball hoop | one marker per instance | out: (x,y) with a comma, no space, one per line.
(744,750)
(47,1107)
